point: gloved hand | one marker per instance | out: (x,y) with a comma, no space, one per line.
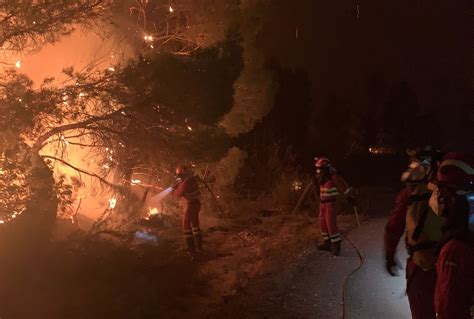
(392,265)
(176,183)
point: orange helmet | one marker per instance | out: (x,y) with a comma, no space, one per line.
(181,169)
(456,171)
(321,162)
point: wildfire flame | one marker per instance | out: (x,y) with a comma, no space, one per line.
(135,181)
(152,211)
(64,140)
(171,9)
(18,64)
(112,202)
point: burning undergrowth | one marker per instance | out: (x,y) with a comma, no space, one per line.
(142,270)
(95,278)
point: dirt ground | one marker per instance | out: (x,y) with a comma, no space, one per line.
(280,258)
(100,278)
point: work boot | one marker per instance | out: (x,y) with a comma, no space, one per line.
(190,245)
(198,241)
(325,245)
(336,248)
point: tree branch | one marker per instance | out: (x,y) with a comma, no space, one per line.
(100,178)
(40,142)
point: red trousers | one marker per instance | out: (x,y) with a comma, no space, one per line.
(420,291)
(191,217)
(327,222)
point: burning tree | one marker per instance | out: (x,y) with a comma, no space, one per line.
(133,115)
(182,27)
(26,182)
(28,25)
(142,116)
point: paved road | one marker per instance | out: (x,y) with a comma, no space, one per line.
(371,292)
(312,287)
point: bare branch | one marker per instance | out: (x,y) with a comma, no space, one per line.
(100,178)
(40,142)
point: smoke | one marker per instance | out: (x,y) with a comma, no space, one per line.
(156,200)
(82,49)
(228,168)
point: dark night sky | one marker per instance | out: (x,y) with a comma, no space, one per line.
(425,43)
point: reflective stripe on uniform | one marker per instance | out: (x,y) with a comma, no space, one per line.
(329,191)
(325,236)
(335,238)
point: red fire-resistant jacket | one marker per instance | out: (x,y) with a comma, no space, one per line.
(188,189)
(455,284)
(395,226)
(332,187)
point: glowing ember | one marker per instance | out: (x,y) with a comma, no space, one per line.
(112,69)
(382,150)
(64,140)
(135,181)
(148,38)
(112,202)
(18,64)
(190,128)
(171,9)
(153,211)
(296,185)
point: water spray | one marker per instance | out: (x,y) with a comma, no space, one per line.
(155,200)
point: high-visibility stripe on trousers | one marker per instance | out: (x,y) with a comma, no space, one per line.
(191,217)
(327,222)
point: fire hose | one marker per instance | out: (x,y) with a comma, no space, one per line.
(351,243)
(361,263)
(159,197)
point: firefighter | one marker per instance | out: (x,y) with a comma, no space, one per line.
(454,294)
(423,231)
(331,184)
(187,188)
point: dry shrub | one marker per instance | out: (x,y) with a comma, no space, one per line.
(224,174)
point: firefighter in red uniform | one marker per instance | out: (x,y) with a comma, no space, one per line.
(423,231)
(454,294)
(187,188)
(330,186)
